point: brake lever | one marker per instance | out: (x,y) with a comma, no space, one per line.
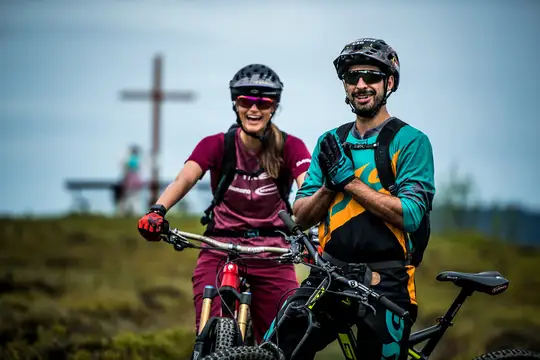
(364,301)
(179,242)
(291,239)
(362,298)
(288,257)
(292,256)
(295,255)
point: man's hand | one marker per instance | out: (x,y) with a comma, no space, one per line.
(336,166)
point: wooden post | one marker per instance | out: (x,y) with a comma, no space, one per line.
(157,96)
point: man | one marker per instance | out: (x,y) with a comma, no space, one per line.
(361,221)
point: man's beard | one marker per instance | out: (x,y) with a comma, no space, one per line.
(367,109)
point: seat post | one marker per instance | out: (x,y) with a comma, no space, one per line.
(446,321)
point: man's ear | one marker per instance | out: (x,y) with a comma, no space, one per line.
(390,83)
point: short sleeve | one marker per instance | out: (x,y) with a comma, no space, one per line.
(208,151)
(297,156)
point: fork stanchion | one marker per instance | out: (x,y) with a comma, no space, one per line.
(208,294)
(245,301)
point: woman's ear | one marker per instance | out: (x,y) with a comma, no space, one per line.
(276,107)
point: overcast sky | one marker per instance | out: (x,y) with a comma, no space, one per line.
(469,80)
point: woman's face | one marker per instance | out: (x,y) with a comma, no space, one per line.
(255,112)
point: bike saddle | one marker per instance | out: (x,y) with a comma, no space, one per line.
(489,282)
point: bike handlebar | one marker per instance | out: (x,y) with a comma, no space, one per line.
(180,241)
(177,237)
(295,229)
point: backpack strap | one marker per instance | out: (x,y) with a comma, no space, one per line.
(383,162)
(228,170)
(384,167)
(342,133)
(382,149)
(228,165)
(382,153)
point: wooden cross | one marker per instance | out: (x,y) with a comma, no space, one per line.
(157,96)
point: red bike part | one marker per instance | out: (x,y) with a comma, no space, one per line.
(230,276)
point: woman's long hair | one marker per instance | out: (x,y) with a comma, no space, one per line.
(272,151)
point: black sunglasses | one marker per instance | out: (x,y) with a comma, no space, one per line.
(369,76)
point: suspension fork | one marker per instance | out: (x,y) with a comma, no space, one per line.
(245,302)
(209,294)
(230,280)
(233,301)
(229,290)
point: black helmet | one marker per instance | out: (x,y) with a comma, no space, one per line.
(256,80)
(369,51)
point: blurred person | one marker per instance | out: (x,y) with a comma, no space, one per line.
(128,192)
(371,186)
(267,161)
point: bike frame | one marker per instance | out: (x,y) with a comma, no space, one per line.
(348,341)
(432,334)
(232,290)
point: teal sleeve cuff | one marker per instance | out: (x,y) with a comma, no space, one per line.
(412,214)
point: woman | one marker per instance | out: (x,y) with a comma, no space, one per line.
(131,184)
(252,201)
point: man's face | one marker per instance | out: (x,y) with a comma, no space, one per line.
(364,86)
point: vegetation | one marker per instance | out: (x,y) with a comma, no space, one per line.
(89,287)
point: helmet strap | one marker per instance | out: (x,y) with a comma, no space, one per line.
(262,137)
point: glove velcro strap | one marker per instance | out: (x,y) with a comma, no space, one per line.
(342,184)
(158,209)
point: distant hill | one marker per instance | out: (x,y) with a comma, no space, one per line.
(86,287)
(510,224)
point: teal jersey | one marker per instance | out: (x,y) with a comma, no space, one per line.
(353,234)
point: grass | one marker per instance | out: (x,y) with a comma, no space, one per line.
(84,287)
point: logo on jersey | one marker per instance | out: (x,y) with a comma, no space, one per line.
(266,190)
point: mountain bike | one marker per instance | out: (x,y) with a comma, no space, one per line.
(233,326)
(488,282)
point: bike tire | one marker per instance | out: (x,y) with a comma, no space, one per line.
(250,336)
(242,353)
(225,333)
(509,354)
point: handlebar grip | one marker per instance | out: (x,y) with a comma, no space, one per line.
(289,222)
(166,228)
(399,311)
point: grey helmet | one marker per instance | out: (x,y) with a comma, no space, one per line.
(256,80)
(369,51)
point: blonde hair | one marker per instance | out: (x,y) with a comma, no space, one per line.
(272,154)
